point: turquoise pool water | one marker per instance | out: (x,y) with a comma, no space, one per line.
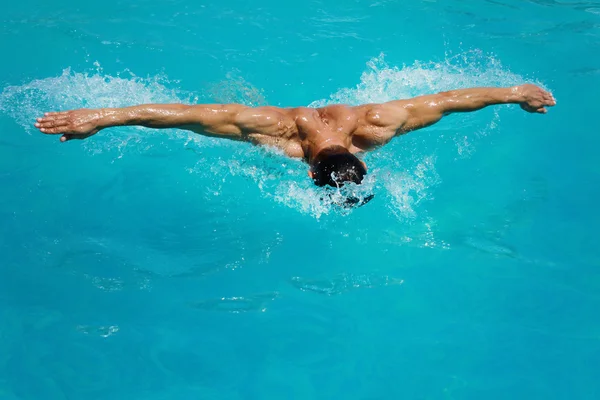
(161,265)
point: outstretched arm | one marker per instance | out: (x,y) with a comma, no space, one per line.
(423,111)
(223,120)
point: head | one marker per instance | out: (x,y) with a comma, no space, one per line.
(335,166)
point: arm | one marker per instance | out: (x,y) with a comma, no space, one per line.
(423,111)
(224,120)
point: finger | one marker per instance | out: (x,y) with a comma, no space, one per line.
(542,110)
(52,118)
(52,131)
(66,138)
(52,124)
(549,99)
(55,113)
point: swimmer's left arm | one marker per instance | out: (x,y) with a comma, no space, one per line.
(423,111)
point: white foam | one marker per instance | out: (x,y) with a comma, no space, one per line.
(382,82)
(304,196)
(84,90)
(406,189)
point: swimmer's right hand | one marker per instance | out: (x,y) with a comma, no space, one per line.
(75,124)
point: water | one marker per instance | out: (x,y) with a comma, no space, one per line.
(162,265)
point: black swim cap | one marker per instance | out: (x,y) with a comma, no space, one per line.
(335,166)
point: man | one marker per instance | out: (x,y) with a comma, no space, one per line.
(326,138)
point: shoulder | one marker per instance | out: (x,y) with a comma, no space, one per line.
(301,112)
(391,114)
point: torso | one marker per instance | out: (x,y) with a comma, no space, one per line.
(297,131)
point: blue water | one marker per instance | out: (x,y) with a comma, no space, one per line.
(161,265)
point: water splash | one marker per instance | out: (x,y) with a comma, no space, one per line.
(312,200)
(85,90)
(403,179)
(235,89)
(382,82)
(406,189)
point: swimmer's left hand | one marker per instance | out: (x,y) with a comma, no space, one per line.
(534,99)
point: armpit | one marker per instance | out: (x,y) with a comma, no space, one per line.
(291,148)
(370,137)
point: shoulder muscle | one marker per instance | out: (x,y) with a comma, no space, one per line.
(386,115)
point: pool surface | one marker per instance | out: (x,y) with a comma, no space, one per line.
(145,264)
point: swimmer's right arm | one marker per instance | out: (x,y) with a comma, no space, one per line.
(223,120)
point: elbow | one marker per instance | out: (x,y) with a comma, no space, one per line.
(446,102)
(445,97)
(439,101)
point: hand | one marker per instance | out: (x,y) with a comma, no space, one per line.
(534,99)
(75,124)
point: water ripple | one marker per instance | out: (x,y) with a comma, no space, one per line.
(236,305)
(103,331)
(490,246)
(343,283)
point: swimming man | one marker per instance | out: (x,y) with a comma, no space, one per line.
(327,138)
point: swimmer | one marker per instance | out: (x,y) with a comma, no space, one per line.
(328,139)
